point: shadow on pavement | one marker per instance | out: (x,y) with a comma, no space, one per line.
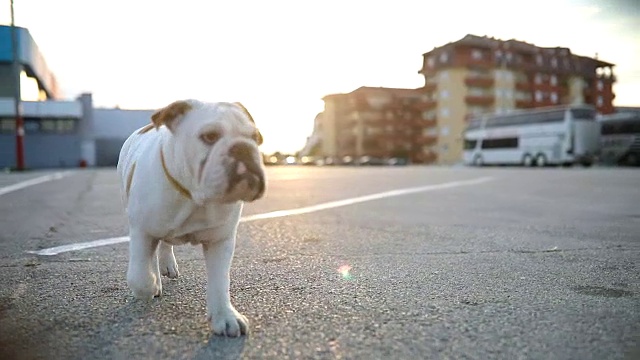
(219,347)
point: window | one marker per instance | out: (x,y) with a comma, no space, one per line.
(444,131)
(444,94)
(444,57)
(7,125)
(48,125)
(389,115)
(554,80)
(583,114)
(40,125)
(428,115)
(505,143)
(432,131)
(444,75)
(554,97)
(600,85)
(470,144)
(444,112)
(538,95)
(476,54)
(538,79)
(65,126)
(521,119)
(430,61)
(31,126)
(554,62)
(600,102)
(630,126)
(539,60)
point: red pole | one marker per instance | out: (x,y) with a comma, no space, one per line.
(19,139)
(17,97)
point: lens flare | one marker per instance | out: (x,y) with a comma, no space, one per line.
(344,270)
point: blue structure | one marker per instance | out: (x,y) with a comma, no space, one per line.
(31,61)
(58,133)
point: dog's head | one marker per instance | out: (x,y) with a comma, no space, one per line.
(216,147)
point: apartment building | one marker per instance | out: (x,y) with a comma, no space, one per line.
(378,123)
(480,74)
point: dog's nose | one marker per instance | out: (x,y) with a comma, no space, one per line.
(246,167)
(241,152)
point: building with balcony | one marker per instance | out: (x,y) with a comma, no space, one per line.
(478,75)
(376,123)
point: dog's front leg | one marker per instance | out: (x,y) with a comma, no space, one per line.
(223,317)
(143,274)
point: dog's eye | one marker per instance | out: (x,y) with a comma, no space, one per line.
(210,137)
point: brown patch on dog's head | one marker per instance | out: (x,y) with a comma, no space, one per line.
(258,136)
(167,115)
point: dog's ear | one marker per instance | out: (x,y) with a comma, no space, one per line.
(244,109)
(169,114)
(258,136)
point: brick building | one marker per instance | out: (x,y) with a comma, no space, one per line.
(378,123)
(481,75)
(464,78)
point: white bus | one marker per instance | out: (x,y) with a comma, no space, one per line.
(558,135)
(620,139)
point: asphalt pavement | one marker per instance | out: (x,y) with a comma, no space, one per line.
(469,263)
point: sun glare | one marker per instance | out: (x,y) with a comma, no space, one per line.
(29,90)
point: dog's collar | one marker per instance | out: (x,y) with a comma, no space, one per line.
(175,183)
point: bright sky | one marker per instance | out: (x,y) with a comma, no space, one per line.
(280,57)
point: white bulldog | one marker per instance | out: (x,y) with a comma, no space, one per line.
(185,182)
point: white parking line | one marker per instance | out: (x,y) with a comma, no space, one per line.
(39,180)
(280,213)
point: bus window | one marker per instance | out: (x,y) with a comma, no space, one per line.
(470,144)
(505,143)
(621,127)
(583,114)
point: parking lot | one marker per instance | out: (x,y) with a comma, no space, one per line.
(369,263)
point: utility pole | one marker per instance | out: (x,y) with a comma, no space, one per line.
(17,69)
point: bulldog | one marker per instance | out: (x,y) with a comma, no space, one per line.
(184,179)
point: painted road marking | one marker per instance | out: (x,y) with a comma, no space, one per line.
(39,180)
(280,213)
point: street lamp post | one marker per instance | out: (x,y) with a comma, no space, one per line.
(17,97)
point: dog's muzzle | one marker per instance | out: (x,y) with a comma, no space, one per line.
(245,167)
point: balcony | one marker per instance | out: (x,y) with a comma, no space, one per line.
(524,104)
(431,86)
(426,140)
(425,105)
(426,123)
(481,100)
(479,81)
(482,64)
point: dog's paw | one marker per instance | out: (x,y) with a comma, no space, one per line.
(228,322)
(169,268)
(145,288)
(167,261)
